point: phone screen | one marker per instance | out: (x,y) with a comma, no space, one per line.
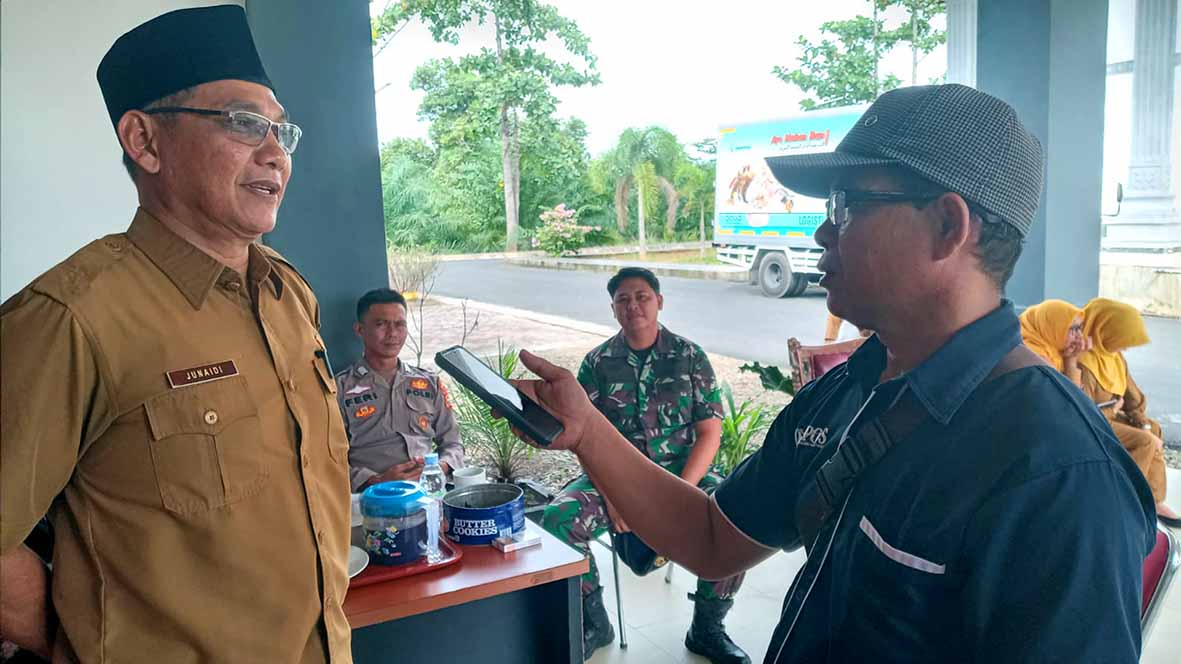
(488,379)
(484,383)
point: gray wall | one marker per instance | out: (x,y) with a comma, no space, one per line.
(319,58)
(61,180)
(1048,59)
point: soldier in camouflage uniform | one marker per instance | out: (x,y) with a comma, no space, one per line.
(658,389)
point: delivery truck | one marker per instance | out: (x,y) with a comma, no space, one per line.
(758,223)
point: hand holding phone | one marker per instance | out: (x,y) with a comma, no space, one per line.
(521,411)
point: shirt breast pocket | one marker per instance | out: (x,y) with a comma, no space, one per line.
(206,445)
(337,440)
(904,596)
(422,415)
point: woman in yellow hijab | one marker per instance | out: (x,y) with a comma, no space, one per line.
(1054,330)
(1114,327)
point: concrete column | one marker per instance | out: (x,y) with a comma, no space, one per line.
(961,42)
(318,55)
(1148,218)
(1047,58)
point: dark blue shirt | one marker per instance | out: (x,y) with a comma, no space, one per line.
(1010,526)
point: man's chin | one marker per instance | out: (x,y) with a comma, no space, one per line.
(638,325)
(833,301)
(258,219)
(264,226)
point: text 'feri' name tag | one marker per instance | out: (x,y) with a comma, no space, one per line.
(202,374)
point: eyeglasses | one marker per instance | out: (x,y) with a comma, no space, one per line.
(249,128)
(839,201)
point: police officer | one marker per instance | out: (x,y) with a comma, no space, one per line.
(395,412)
(166,395)
(658,390)
(960,501)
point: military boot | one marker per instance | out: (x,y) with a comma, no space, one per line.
(596,628)
(707,636)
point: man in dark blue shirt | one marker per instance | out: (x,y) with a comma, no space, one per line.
(996,519)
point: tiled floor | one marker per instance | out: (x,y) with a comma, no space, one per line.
(657,614)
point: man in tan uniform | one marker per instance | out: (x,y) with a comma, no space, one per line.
(167,399)
(395,413)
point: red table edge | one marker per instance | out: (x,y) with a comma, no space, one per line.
(364,618)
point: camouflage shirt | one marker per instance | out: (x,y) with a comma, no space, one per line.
(654,404)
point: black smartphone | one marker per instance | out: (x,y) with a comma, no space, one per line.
(494,390)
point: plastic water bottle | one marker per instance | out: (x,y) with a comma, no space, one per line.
(434,484)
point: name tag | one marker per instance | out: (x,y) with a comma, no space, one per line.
(202,374)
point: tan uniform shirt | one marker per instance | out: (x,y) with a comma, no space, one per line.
(389,424)
(184,437)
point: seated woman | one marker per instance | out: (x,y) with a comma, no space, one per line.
(1054,330)
(1114,327)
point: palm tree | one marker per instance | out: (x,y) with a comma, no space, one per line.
(695,181)
(644,159)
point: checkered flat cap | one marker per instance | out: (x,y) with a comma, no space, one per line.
(959,138)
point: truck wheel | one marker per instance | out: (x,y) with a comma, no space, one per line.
(799,284)
(776,278)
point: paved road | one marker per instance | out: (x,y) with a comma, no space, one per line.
(734,319)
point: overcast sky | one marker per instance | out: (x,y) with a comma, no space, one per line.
(691,67)
(687,66)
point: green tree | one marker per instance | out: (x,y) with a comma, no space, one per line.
(408,191)
(844,71)
(508,84)
(695,181)
(918,33)
(554,163)
(412,149)
(843,67)
(644,161)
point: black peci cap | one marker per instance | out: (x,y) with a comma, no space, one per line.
(175,51)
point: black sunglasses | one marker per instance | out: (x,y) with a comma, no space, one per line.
(839,201)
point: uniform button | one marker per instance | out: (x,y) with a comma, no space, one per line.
(320,537)
(306,461)
(291,385)
(328,597)
(233,285)
(211,417)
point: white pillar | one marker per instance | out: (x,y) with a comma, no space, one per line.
(961,42)
(1148,218)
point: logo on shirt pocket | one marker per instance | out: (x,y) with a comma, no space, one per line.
(364,411)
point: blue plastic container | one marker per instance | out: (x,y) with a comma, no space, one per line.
(394,515)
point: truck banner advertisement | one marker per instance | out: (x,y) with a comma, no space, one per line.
(749,201)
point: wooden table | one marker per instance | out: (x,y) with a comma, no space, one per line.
(523,606)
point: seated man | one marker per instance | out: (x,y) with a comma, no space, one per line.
(395,413)
(658,389)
